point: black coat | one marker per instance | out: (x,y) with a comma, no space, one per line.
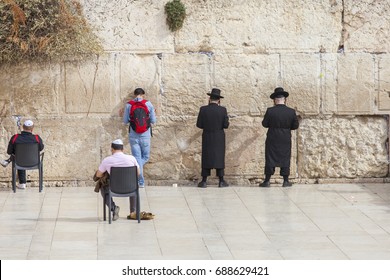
(24,137)
(213,119)
(279,120)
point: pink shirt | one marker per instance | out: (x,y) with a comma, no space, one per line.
(119,159)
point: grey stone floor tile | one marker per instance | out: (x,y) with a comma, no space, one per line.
(332,221)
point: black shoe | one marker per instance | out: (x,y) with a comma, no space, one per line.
(265,184)
(223,184)
(202,184)
(286,184)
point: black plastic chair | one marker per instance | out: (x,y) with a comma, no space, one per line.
(123,183)
(27,157)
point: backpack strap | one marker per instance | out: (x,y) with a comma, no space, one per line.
(143,101)
(132,102)
(37,138)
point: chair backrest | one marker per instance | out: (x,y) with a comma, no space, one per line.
(27,154)
(123,180)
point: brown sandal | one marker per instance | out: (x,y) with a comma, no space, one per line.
(143,216)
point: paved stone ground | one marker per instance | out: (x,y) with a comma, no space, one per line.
(305,222)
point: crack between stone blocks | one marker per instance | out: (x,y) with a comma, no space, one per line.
(93,86)
(343,30)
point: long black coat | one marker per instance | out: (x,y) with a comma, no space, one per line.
(279,120)
(213,119)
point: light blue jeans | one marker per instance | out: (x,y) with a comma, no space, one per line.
(140,149)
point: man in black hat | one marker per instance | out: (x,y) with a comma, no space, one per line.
(279,120)
(213,119)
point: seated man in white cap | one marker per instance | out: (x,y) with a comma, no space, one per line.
(117,159)
(25,136)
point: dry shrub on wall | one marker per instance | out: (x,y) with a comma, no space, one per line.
(44,30)
(176,13)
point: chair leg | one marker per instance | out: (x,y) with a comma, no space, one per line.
(104,207)
(138,209)
(13,177)
(109,208)
(40,178)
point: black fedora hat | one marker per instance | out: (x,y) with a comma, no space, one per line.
(215,93)
(279,92)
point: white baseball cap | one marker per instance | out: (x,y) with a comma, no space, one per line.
(117,142)
(28,123)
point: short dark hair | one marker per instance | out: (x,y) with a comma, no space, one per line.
(139,91)
(116,146)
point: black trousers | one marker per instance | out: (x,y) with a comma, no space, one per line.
(21,173)
(22,176)
(284,171)
(207,172)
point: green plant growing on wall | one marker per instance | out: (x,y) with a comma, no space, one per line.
(176,13)
(44,30)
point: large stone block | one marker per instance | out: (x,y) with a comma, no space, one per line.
(356,84)
(328,83)
(175,153)
(301,78)
(30,89)
(246,82)
(367,26)
(89,87)
(134,71)
(384,83)
(133,26)
(186,80)
(338,147)
(260,26)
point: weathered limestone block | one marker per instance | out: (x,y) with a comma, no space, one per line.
(245,153)
(134,71)
(367,25)
(328,83)
(302,82)
(340,147)
(103,86)
(186,80)
(246,82)
(89,87)
(138,71)
(356,84)
(75,146)
(30,89)
(175,153)
(384,82)
(134,26)
(260,26)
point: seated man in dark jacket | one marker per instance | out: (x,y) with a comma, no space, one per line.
(25,136)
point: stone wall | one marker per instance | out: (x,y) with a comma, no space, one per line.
(333,56)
